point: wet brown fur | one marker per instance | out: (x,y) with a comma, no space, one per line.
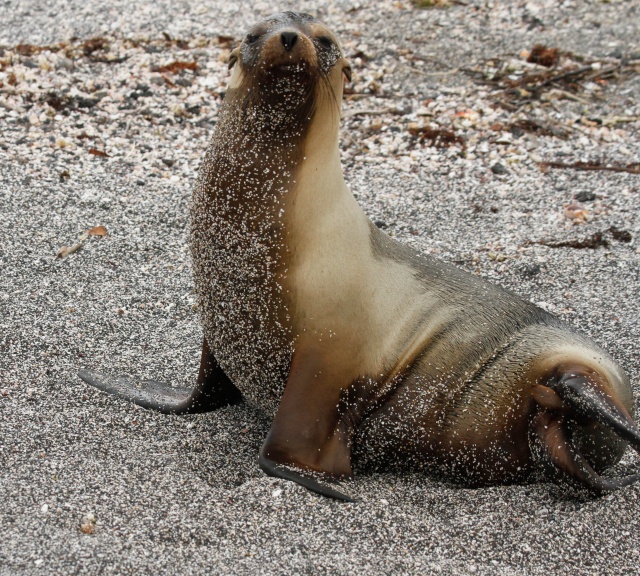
(360,346)
(362,349)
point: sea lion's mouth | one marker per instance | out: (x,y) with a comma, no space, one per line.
(290,68)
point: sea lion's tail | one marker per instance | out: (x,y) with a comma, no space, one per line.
(575,396)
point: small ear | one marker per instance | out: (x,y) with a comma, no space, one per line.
(233,58)
(346,70)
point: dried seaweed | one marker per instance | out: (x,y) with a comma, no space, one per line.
(565,72)
(633,168)
(544,56)
(592,242)
(175,67)
(438,137)
(96,152)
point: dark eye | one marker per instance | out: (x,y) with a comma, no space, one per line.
(251,38)
(325,42)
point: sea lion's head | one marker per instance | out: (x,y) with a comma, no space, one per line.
(290,62)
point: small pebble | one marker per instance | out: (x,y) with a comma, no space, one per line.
(585,196)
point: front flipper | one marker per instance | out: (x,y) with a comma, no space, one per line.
(213,389)
(286,473)
(309,432)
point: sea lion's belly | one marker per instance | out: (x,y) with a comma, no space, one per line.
(447,414)
(464,407)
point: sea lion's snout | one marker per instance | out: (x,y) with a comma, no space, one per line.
(284,48)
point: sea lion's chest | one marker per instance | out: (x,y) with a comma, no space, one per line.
(240,268)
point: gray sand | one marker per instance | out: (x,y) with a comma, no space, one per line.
(168,495)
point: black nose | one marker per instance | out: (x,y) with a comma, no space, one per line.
(288,40)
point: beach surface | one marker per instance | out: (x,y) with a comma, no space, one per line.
(451,141)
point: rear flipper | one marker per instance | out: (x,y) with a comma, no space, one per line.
(213,389)
(573,398)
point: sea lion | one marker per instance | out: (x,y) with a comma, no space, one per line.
(358,345)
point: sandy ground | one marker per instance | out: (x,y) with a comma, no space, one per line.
(90,484)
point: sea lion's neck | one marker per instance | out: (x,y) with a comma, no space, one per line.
(254,154)
(274,105)
(320,201)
